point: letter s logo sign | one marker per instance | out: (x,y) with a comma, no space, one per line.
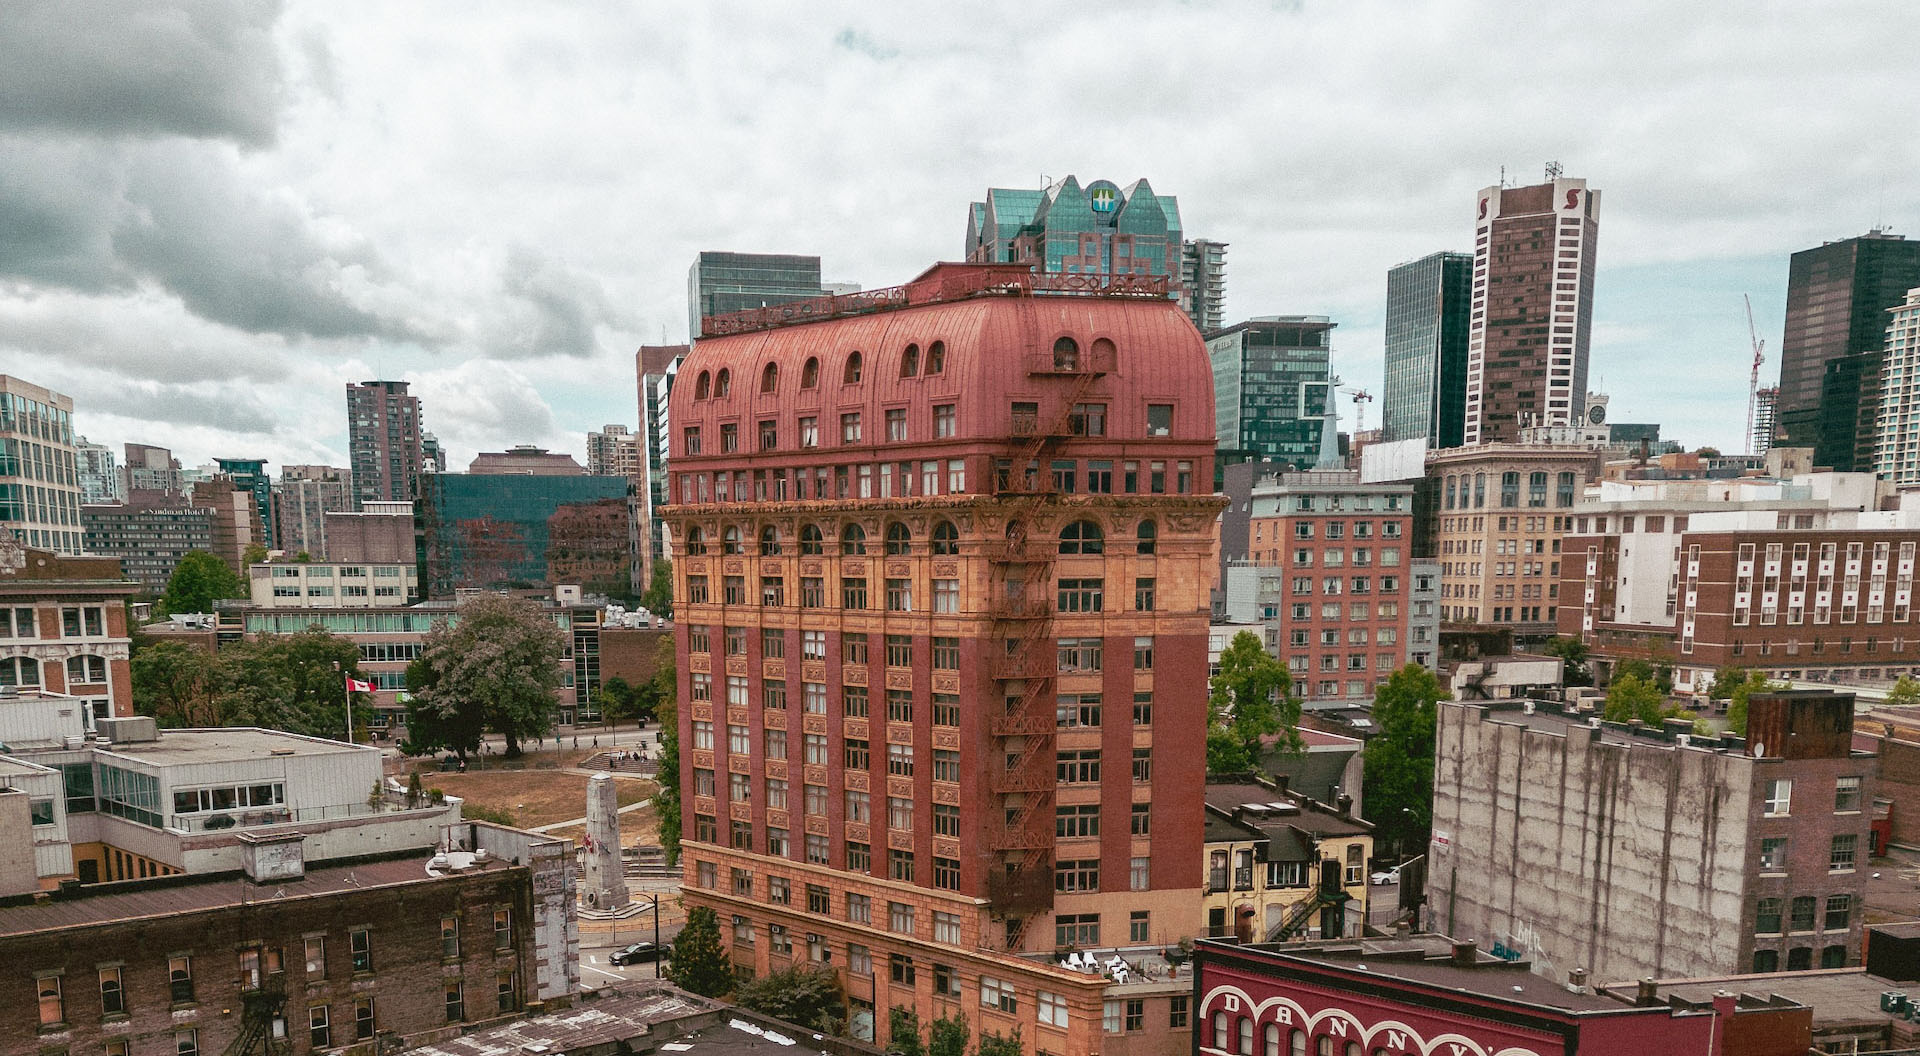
(1573,200)
(1483,209)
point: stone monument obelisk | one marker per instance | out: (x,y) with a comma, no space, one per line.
(606,886)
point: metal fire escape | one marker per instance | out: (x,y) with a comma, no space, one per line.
(1021,723)
(263,1024)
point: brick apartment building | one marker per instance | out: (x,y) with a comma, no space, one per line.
(1497,515)
(1342,550)
(941,601)
(1637,853)
(336,956)
(63,626)
(1802,588)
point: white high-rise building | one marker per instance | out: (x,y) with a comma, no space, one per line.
(1896,449)
(39,484)
(98,472)
(1532,309)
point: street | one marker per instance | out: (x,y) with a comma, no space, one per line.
(598,944)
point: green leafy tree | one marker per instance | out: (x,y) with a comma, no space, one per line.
(1629,696)
(1725,681)
(1659,676)
(807,997)
(1756,682)
(948,1036)
(179,684)
(658,598)
(440,723)
(198,580)
(303,558)
(1249,701)
(903,1032)
(254,554)
(1397,766)
(993,1043)
(1905,692)
(696,961)
(667,799)
(502,656)
(1573,652)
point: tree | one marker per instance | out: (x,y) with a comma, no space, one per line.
(178,684)
(948,1037)
(1659,676)
(1397,765)
(658,598)
(1905,692)
(1725,681)
(254,554)
(696,961)
(667,799)
(1708,452)
(198,580)
(903,1032)
(993,1043)
(498,662)
(1573,652)
(1631,696)
(1250,701)
(1756,682)
(806,997)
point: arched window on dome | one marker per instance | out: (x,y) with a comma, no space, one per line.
(811,540)
(730,542)
(936,358)
(1149,537)
(910,361)
(899,539)
(852,373)
(769,541)
(702,386)
(810,374)
(946,539)
(1082,537)
(770,378)
(723,383)
(1066,354)
(1103,354)
(853,540)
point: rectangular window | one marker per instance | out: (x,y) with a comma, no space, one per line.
(900,918)
(449,937)
(998,994)
(363,1027)
(946,874)
(1139,927)
(1143,654)
(900,865)
(946,596)
(1143,594)
(899,650)
(853,702)
(506,989)
(946,819)
(1142,766)
(900,760)
(113,996)
(1078,767)
(946,764)
(857,755)
(814,747)
(859,857)
(1842,858)
(1846,795)
(1766,916)
(946,981)
(946,711)
(859,959)
(896,425)
(1076,820)
(1143,709)
(853,593)
(943,421)
(1773,854)
(850,427)
(900,968)
(53,1007)
(946,927)
(946,655)
(360,942)
(1053,1009)
(860,909)
(1839,912)
(899,595)
(819,901)
(1077,875)
(319,1031)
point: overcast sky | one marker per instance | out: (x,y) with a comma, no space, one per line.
(214,216)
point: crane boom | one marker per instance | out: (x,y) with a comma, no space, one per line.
(1753,380)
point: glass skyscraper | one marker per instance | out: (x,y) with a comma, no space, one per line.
(1270,387)
(720,283)
(1426,382)
(1099,229)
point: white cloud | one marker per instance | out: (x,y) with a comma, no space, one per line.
(481,198)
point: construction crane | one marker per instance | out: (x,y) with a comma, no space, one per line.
(1753,381)
(1361,397)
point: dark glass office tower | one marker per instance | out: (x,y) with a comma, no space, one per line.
(1838,296)
(719,283)
(1271,387)
(1426,383)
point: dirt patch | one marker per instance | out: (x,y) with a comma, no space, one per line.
(533,797)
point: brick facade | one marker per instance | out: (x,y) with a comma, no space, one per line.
(76,641)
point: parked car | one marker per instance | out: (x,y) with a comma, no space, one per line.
(1387,876)
(638,953)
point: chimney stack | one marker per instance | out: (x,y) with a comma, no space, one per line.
(1465,954)
(1577,980)
(1649,993)
(1345,803)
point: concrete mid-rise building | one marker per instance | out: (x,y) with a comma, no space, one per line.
(39,481)
(303,496)
(941,626)
(1330,557)
(1496,515)
(1203,281)
(152,475)
(1534,256)
(1838,295)
(1271,387)
(378,532)
(1632,852)
(613,451)
(1424,394)
(232,515)
(1800,577)
(147,540)
(1897,427)
(330,584)
(384,442)
(99,476)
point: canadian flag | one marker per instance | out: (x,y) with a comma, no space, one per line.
(354,685)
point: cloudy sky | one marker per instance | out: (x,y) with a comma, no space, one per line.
(214,215)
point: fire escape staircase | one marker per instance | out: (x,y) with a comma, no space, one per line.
(1022,720)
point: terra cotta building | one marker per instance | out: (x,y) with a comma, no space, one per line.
(941,601)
